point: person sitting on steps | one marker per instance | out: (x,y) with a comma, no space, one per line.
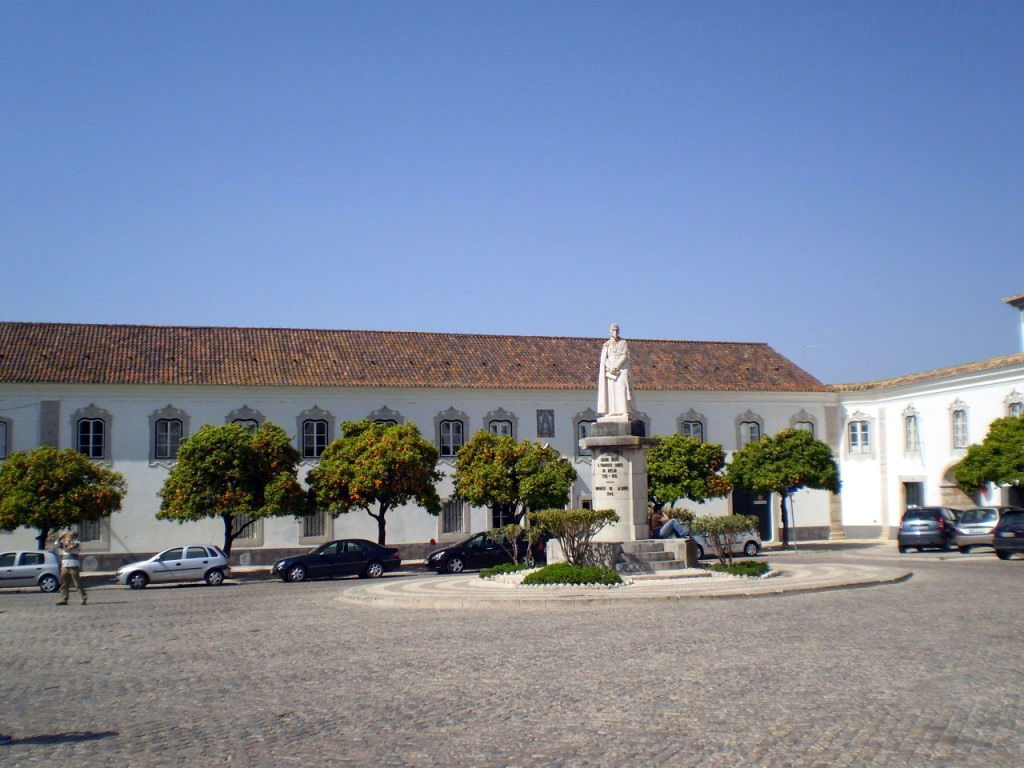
(665,527)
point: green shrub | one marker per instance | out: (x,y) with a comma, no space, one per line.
(574,529)
(744,568)
(566,573)
(496,570)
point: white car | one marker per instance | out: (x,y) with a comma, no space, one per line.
(33,568)
(748,544)
(177,564)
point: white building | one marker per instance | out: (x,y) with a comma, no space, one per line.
(126,395)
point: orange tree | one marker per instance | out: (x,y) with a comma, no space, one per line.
(500,473)
(680,467)
(235,473)
(47,489)
(783,464)
(376,468)
(998,459)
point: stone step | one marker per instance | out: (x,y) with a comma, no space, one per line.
(646,545)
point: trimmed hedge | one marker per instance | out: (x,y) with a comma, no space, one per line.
(566,573)
(744,568)
(496,570)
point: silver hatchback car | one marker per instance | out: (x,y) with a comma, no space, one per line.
(35,568)
(190,563)
(975,526)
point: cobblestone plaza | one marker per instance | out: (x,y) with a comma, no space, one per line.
(926,671)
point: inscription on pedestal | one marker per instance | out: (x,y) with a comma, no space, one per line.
(611,474)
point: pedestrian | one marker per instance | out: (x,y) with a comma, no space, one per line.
(665,527)
(70,567)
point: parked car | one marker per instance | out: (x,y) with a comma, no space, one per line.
(480,550)
(34,568)
(974,528)
(189,563)
(344,557)
(747,543)
(923,527)
(1008,535)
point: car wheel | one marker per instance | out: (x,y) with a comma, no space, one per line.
(138,580)
(215,577)
(296,573)
(750,548)
(965,550)
(374,570)
(1002,555)
(700,551)
(48,583)
(455,565)
(904,550)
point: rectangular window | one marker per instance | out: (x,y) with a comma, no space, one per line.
(90,530)
(168,438)
(583,431)
(749,432)
(500,428)
(452,517)
(314,526)
(805,426)
(251,532)
(451,437)
(959,429)
(913,494)
(911,439)
(91,437)
(1017,409)
(692,429)
(3,439)
(314,438)
(860,437)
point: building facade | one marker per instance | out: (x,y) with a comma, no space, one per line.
(127,395)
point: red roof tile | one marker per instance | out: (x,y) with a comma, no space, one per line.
(133,354)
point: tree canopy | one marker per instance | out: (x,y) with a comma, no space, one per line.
(235,473)
(376,467)
(782,464)
(498,472)
(48,489)
(999,458)
(680,467)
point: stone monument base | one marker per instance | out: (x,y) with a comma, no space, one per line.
(619,476)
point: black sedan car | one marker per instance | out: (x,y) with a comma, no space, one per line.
(479,551)
(344,557)
(1008,535)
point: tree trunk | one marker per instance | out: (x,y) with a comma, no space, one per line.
(228,537)
(44,534)
(382,525)
(785,521)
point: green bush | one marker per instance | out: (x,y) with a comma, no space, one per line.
(566,573)
(496,570)
(744,568)
(574,529)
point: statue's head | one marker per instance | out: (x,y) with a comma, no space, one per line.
(614,330)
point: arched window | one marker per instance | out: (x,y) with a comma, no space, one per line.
(167,436)
(314,438)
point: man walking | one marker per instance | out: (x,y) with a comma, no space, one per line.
(70,566)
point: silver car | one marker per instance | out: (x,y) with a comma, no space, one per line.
(975,526)
(33,568)
(189,563)
(747,543)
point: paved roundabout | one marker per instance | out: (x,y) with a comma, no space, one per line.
(470,591)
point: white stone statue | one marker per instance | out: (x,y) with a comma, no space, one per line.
(614,389)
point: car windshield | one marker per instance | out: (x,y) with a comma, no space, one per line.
(1015,519)
(978,516)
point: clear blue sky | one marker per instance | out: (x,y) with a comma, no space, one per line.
(843,181)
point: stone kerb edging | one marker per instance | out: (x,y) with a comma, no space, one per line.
(470,591)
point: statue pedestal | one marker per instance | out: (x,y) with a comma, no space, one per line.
(619,477)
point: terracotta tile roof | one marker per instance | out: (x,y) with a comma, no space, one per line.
(995,363)
(132,354)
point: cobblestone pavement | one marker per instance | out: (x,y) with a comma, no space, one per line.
(924,672)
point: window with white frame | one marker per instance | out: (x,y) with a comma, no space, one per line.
(92,434)
(959,428)
(167,437)
(1015,408)
(911,436)
(453,517)
(451,436)
(314,526)
(749,432)
(252,531)
(859,434)
(386,416)
(314,438)
(692,429)
(246,417)
(804,426)
(500,428)
(386,422)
